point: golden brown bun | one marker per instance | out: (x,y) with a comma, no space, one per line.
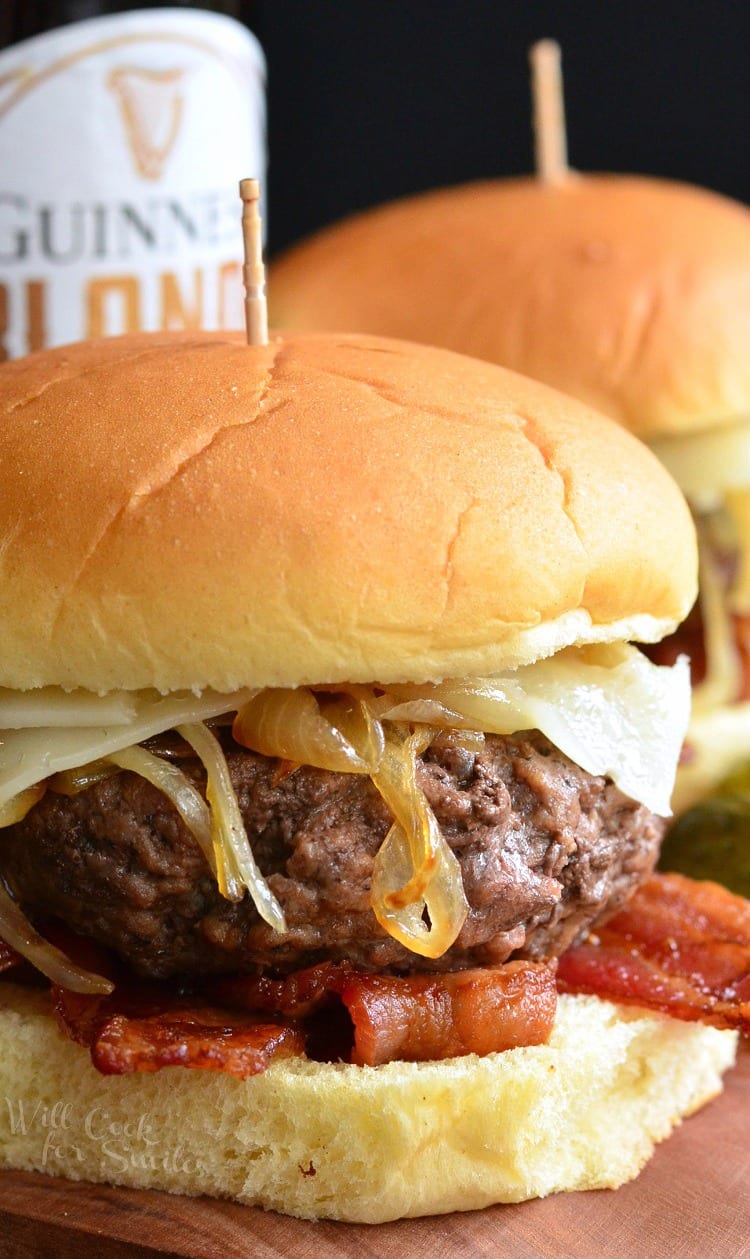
(364,1143)
(185,511)
(632,294)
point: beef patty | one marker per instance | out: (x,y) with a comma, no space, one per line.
(545,851)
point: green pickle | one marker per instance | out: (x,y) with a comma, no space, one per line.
(712,840)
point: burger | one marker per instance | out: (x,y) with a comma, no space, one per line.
(331,781)
(631,294)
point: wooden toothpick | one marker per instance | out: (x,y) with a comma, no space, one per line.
(253,272)
(550,143)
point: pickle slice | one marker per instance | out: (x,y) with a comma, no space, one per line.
(712,840)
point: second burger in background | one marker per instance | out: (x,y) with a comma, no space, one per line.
(632,294)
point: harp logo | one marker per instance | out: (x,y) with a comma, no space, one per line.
(151,105)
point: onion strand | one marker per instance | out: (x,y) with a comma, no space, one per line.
(18,932)
(15,809)
(337,734)
(236,866)
(417,888)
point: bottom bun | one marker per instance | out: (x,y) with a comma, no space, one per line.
(362,1143)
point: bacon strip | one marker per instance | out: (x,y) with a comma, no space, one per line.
(142,1030)
(294,996)
(477,1011)
(210,1040)
(419,1018)
(679,946)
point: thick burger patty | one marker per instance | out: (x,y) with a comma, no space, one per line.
(545,850)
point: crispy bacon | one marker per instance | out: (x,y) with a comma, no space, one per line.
(293,996)
(478,1011)
(79,1015)
(679,946)
(419,1018)
(139,1028)
(207,1039)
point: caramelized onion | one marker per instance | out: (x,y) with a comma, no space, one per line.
(417,889)
(424,710)
(236,868)
(470,740)
(69,782)
(466,702)
(338,734)
(456,705)
(17,931)
(15,810)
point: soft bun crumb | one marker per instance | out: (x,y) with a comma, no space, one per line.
(363,1144)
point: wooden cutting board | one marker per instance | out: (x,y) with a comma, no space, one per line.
(691,1202)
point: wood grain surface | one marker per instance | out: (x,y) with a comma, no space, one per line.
(691,1202)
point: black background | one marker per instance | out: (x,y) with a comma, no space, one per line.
(372,99)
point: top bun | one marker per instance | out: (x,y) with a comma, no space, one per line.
(185,511)
(632,294)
